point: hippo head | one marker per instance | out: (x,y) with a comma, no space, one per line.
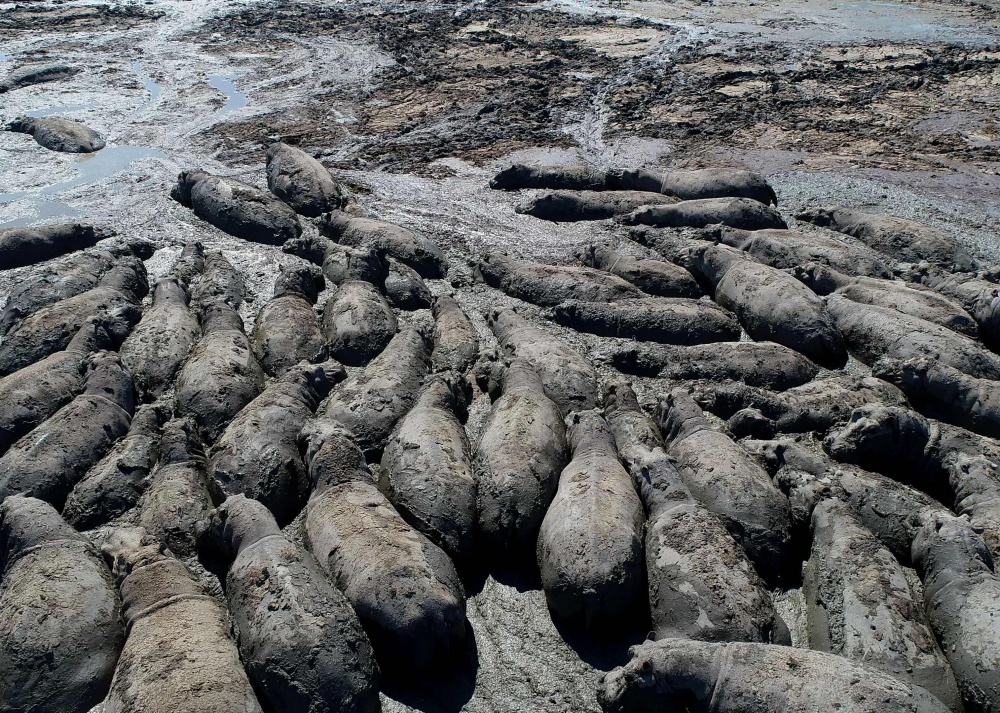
(126,548)
(142,249)
(488,373)
(585,429)
(710,261)
(587,255)
(770,452)
(453,389)
(342,264)
(306,246)
(169,287)
(678,416)
(316,379)
(180,442)
(751,423)
(818,278)
(186,181)
(334,223)
(108,378)
(822,217)
(665,676)
(332,455)
(511,177)
(551,205)
(908,375)
(565,313)
(642,215)
(92,336)
(145,571)
(129,277)
(219,316)
(302,280)
(950,543)
(713,233)
(880,437)
(619,396)
(274,149)
(236,524)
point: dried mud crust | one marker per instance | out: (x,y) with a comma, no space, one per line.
(876,105)
(474,84)
(479,84)
(55,16)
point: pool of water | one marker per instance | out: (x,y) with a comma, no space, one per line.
(6,57)
(235,99)
(56,110)
(106,162)
(152,87)
(43,211)
(89,169)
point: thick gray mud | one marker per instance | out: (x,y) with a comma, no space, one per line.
(884,106)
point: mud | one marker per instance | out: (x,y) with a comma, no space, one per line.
(415,106)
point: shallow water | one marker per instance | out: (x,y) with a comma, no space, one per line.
(6,58)
(43,211)
(151,86)
(103,164)
(57,110)
(235,99)
(89,169)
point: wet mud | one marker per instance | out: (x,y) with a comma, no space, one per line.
(887,107)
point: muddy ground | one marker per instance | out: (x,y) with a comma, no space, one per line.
(890,105)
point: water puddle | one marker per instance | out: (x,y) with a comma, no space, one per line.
(11,197)
(152,87)
(56,110)
(889,17)
(235,99)
(103,164)
(43,211)
(6,57)
(93,168)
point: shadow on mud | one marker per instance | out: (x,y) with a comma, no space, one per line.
(523,579)
(604,650)
(518,570)
(446,693)
(610,649)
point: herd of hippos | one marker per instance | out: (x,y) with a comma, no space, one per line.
(218,439)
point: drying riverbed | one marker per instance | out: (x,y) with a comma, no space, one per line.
(888,106)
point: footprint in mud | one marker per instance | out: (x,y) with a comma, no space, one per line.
(235,99)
